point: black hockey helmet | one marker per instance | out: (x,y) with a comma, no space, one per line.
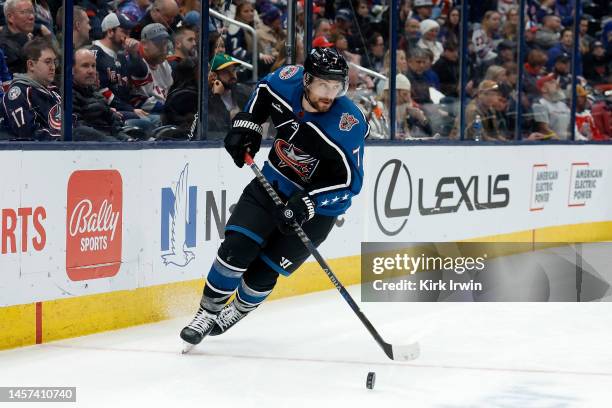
(326,63)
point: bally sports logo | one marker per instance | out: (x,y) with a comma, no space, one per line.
(94,224)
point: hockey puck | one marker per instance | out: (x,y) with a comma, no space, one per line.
(371,380)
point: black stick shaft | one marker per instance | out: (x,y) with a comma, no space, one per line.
(315,253)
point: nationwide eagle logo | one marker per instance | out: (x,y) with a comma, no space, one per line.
(347,122)
(288,71)
(299,161)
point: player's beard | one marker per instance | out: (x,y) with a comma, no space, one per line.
(320,104)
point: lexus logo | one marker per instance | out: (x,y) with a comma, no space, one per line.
(392,194)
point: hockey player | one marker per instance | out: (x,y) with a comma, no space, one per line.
(316,167)
(32,105)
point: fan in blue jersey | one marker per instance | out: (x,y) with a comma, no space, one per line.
(316,167)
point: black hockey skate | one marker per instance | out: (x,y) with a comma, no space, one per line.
(229,316)
(200,327)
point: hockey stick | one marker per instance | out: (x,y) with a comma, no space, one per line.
(394,352)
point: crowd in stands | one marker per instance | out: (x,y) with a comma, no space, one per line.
(136,68)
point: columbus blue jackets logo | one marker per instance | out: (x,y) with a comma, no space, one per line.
(299,161)
(288,71)
(55,117)
(347,121)
(14,93)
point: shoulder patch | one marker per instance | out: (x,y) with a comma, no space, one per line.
(347,121)
(288,71)
(14,93)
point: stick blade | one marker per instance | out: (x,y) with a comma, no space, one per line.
(405,352)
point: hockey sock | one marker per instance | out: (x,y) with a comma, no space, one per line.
(248,298)
(221,283)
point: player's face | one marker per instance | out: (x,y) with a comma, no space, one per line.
(322,92)
(43,69)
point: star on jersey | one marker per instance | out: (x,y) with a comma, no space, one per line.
(335,200)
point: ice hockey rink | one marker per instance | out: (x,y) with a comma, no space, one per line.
(311,350)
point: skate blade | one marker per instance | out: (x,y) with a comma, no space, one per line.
(187,347)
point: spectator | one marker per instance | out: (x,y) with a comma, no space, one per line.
(509,30)
(447,69)
(497,74)
(96,11)
(216,43)
(184,39)
(534,67)
(322,28)
(239,42)
(42,14)
(450,29)
(505,114)
(135,10)
(269,35)
(80,27)
(484,106)
(95,120)
(585,38)
(561,71)
(363,20)
(505,52)
(411,35)
(418,62)
(226,96)
(401,66)
(551,113)
(112,65)
(343,25)
(20,28)
(411,121)
(164,12)
(585,124)
(485,38)
(565,46)
(32,105)
(597,65)
(548,35)
(422,9)
(151,75)
(429,33)
(182,103)
(374,57)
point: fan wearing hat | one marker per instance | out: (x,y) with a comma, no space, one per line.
(422,9)
(270,34)
(411,120)
(112,65)
(484,106)
(429,33)
(226,96)
(152,75)
(551,113)
(597,65)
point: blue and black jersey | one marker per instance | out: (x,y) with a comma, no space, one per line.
(321,153)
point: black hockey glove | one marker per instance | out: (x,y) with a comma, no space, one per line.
(300,208)
(245,135)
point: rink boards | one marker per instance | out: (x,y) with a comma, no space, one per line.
(95,240)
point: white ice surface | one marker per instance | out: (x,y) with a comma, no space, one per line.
(311,351)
